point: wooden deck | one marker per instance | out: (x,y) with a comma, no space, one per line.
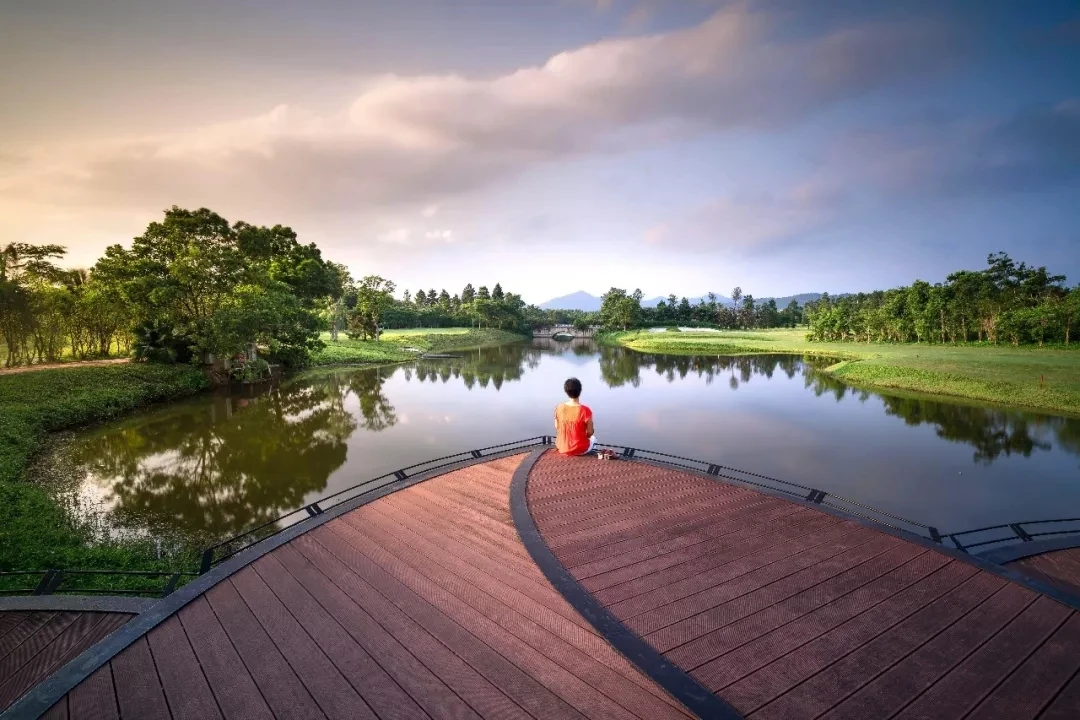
(788,612)
(421,604)
(1060,568)
(35,644)
(439,601)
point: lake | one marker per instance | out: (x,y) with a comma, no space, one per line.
(218,464)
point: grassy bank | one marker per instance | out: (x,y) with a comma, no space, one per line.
(394,344)
(1037,378)
(35,532)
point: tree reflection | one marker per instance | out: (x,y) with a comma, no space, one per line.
(992,432)
(485,367)
(210,472)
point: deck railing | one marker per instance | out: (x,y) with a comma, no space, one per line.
(1011,533)
(227,548)
(52,582)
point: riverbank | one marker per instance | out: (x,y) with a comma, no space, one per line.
(394,346)
(1029,377)
(36,532)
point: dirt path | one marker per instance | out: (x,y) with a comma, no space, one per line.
(50,366)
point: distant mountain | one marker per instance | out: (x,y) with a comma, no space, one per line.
(582,300)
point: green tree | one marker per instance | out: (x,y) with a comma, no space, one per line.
(497,292)
(182,272)
(374,295)
(468,294)
(482,293)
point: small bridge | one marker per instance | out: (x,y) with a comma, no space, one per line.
(564,330)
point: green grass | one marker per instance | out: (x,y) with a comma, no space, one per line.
(392,346)
(35,531)
(1031,377)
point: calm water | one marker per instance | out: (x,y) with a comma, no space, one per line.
(216,465)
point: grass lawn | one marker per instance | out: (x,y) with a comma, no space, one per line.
(392,346)
(1038,378)
(35,532)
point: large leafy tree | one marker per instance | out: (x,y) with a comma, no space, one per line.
(217,288)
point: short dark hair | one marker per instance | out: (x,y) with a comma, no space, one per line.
(572,388)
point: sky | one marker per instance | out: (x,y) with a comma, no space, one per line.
(676,146)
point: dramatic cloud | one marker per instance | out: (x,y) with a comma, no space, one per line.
(414,140)
(751,222)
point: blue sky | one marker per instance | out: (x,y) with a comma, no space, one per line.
(556,145)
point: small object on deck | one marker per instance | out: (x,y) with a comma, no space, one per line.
(606,455)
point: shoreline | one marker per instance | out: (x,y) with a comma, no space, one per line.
(1044,380)
(35,531)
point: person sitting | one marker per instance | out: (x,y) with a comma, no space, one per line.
(574,423)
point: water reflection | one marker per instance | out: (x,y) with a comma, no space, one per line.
(224,463)
(217,465)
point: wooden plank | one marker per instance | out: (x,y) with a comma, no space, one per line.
(1037,681)
(905,681)
(961,689)
(533,586)
(847,675)
(25,665)
(185,687)
(138,688)
(480,593)
(94,698)
(518,685)
(415,678)
(19,633)
(327,686)
(275,678)
(9,620)
(457,573)
(818,536)
(1066,706)
(737,631)
(739,522)
(482,695)
(370,680)
(739,571)
(786,672)
(712,544)
(59,711)
(692,642)
(233,687)
(759,652)
(87,629)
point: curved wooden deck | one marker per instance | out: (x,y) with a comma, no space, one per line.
(785,611)
(545,587)
(1059,568)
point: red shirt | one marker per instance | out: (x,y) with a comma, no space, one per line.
(573,436)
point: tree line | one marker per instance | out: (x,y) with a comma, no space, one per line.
(621,310)
(1007,302)
(197,288)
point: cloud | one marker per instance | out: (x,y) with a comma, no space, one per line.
(750,222)
(409,140)
(1036,148)
(430,211)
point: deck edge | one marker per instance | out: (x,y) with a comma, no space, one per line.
(1019,551)
(77,603)
(39,699)
(982,562)
(695,697)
